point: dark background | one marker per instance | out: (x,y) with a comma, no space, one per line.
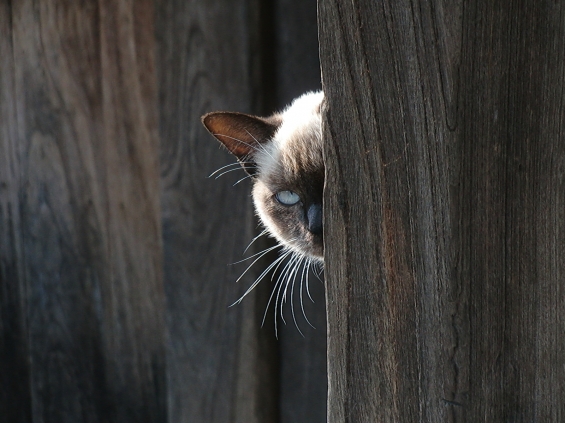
(115,247)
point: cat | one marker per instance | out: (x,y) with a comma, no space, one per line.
(282,154)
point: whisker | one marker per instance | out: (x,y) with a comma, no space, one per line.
(286,275)
(283,256)
(242,179)
(264,232)
(292,276)
(305,272)
(228,171)
(313,267)
(256,260)
(317,270)
(296,267)
(278,288)
(222,168)
(266,250)
(260,144)
(259,279)
(240,141)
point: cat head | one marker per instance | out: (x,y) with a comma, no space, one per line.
(283,155)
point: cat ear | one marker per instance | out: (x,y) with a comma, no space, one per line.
(241,134)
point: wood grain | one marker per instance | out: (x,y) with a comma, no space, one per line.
(444,205)
(15,389)
(83,335)
(221,366)
(80,203)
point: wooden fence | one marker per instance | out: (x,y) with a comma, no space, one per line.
(114,246)
(444,212)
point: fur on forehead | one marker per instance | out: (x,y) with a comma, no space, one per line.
(298,140)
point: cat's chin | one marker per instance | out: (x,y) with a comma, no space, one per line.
(317,253)
(313,251)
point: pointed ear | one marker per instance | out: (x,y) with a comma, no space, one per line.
(240,133)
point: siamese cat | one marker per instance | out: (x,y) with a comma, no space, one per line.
(282,154)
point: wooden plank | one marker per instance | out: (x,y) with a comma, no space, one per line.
(221,366)
(515,215)
(303,379)
(15,392)
(444,210)
(83,182)
(295,49)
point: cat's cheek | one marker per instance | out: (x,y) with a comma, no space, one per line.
(280,221)
(262,199)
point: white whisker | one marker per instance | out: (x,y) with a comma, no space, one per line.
(283,256)
(228,171)
(263,232)
(223,167)
(266,250)
(256,260)
(305,272)
(260,144)
(240,141)
(278,287)
(318,269)
(259,279)
(286,275)
(242,179)
(313,267)
(296,267)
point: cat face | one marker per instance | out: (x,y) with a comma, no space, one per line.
(283,154)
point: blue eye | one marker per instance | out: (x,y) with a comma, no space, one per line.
(287,198)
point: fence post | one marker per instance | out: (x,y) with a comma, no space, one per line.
(81,287)
(444,210)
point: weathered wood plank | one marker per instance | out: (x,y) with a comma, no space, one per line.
(15,391)
(444,208)
(221,367)
(512,122)
(83,182)
(295,48)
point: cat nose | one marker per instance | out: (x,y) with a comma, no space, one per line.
(314,215)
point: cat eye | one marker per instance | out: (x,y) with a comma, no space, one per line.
(287,198)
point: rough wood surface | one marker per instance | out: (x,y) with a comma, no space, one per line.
(445,210)
(221,366)
(15,389)
(82,298)
(82,294)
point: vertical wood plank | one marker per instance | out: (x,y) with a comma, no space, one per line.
(513,110)
(84,176)
(444,210)
(221,366)
(15,390)
(303,391)
(297,63)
